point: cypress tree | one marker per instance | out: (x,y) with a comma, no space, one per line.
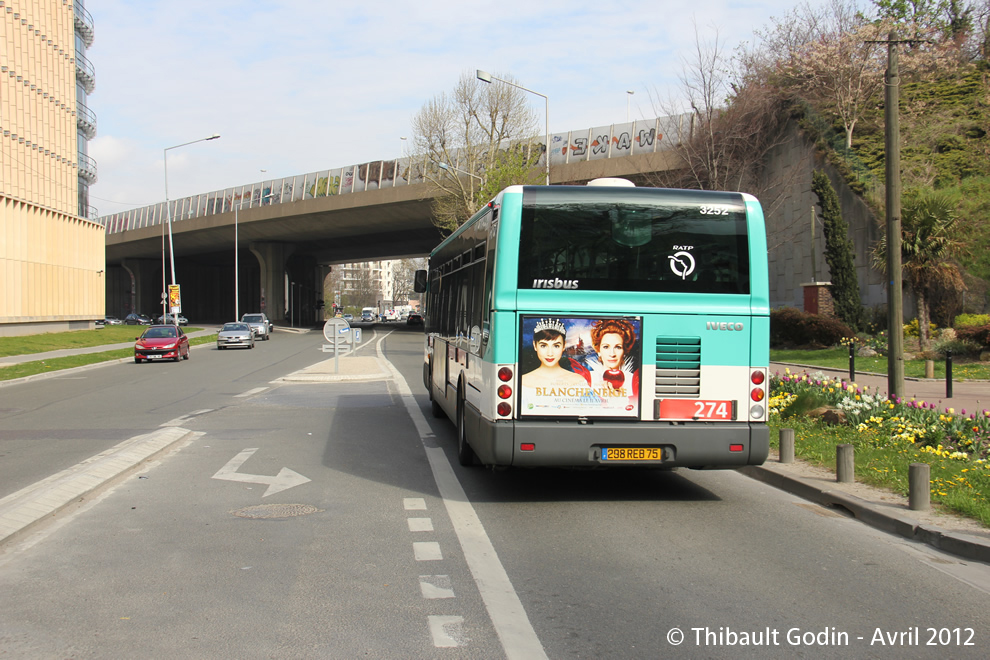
(838,254)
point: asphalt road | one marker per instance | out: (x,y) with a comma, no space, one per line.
(385,547)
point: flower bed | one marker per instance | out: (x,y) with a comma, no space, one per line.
(887,436)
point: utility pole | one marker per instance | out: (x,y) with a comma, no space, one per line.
(895,302)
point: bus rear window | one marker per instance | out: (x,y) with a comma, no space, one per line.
(633,239)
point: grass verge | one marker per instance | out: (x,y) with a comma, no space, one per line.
(25,369)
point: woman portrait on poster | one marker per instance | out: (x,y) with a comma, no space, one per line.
(613,341)
(549,342)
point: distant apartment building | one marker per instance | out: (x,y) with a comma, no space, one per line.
(371,281)
(52,255)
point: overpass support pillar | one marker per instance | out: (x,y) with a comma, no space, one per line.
(145,294)
(271,259)
(324,306)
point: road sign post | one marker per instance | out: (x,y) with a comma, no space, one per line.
(341,338)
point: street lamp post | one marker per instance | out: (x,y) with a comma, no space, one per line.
(629,94)
(484,76)
(451,168)
(237,290)
(168,212)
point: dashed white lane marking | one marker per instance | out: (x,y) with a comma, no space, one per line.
(256,390)
(420,524)
(427,551)
(506,611)
(414,504)
(446,631)
(435,586)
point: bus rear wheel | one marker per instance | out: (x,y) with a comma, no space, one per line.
(465,455)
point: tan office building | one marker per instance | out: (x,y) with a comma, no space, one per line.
(52,248)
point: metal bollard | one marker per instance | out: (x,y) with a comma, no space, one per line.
(786,440)
(919,487)
(845,470)
(852,363)
(948,373)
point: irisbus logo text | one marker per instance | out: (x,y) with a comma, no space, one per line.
(722,325)
(555,284)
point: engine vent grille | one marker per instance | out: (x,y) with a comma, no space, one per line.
(678,366)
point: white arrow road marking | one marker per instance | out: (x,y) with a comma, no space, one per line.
(284,480)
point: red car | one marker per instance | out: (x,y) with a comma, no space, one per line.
(162,342)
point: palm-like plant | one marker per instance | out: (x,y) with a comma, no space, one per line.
(927,242)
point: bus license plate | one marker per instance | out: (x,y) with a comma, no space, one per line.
(696,409)
(632,454)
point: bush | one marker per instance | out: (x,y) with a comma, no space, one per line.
(959,347)
(979,335)
(970,320)
(792,327)
(913,329)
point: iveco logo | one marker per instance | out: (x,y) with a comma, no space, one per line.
(715,325)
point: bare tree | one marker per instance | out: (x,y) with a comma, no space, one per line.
(735,121)
(403,273)
(475,141)
(829,54)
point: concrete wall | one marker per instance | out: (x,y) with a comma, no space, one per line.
(795,258)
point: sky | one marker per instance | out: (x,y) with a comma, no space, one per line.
(297,86)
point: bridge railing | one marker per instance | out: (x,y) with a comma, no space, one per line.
(614,141)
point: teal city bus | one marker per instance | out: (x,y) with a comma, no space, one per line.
(602,325)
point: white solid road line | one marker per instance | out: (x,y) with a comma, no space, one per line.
(507,614)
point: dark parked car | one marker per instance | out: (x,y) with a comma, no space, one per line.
(137,319)
(414,318)
(162,342)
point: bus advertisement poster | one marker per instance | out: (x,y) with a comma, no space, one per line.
(580,366)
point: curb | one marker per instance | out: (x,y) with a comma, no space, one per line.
(961,545)
(42,502)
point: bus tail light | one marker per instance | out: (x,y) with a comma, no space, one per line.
(759,393)
(758,378)
(504,392)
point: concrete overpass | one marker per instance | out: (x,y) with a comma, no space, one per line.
(291,231)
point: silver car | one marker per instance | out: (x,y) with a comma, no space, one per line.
(235,334)
(260,324)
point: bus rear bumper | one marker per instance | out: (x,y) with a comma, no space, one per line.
(572,444)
